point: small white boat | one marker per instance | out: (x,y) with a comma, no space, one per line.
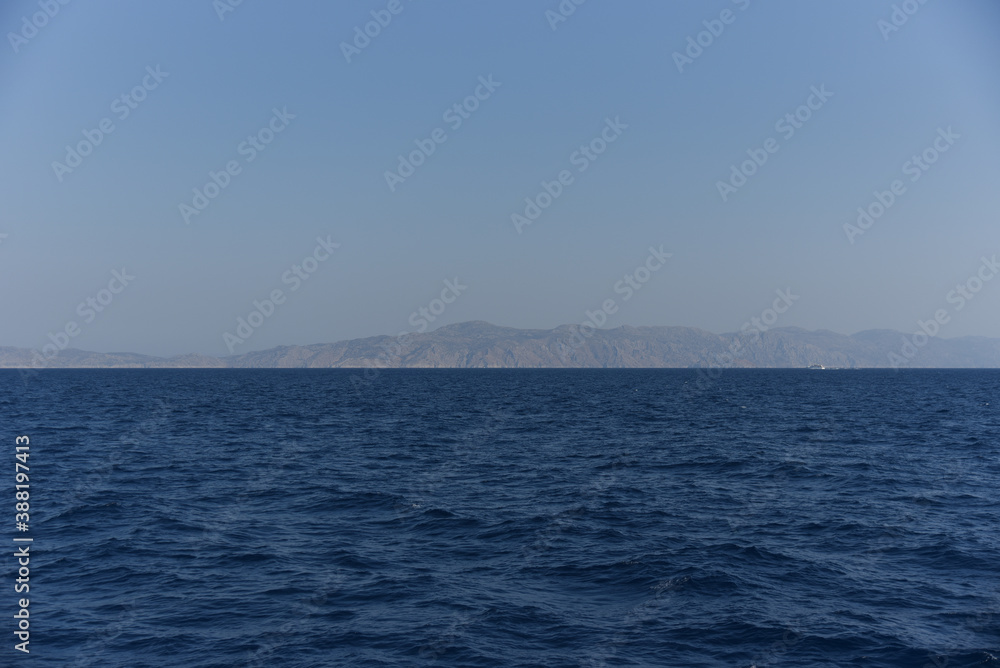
(816,366)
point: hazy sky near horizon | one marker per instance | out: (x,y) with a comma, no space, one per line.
(670,135)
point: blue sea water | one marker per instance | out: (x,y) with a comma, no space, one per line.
(507,518)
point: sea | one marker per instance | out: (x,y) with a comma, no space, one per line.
(505,517)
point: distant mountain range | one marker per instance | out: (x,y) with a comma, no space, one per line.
(482,345)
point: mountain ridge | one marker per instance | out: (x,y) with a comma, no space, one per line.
(479,344)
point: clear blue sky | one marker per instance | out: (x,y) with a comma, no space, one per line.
(656,184)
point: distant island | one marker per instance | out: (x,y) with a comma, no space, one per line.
(483,345)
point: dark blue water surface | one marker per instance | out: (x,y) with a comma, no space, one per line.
(507,518)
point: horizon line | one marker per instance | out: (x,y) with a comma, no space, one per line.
(472,322)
